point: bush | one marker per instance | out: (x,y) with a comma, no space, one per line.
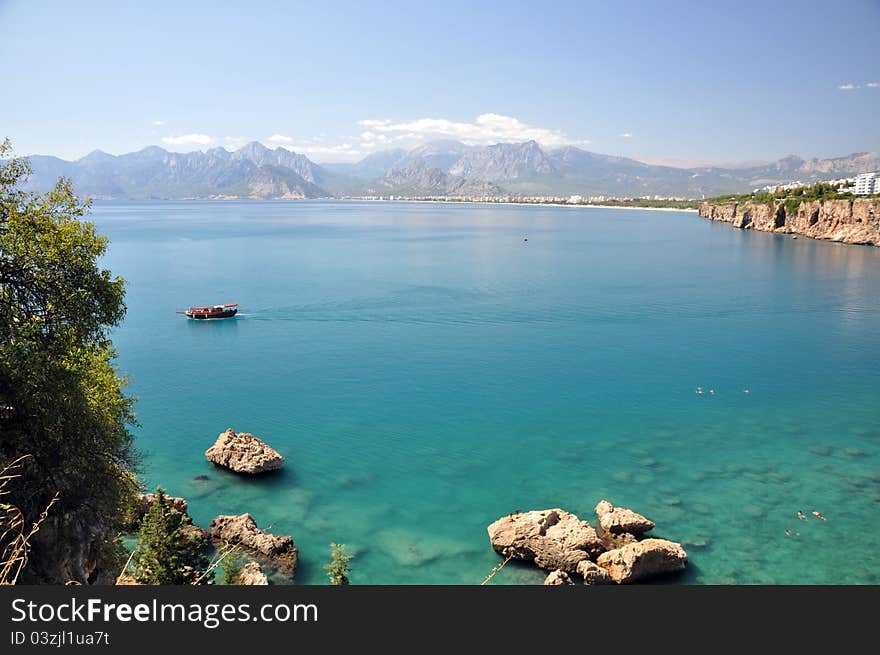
(338,569)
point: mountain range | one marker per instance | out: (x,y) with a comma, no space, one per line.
(439,168)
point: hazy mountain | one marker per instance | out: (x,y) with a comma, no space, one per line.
(437,154)
(435,168)
(419,179)
(504,161)
(371,166)
(157,173)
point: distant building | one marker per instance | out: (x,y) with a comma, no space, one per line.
(574,200)
(867,183)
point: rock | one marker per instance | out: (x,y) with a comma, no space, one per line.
(243,530)
(592,573)
(843,220)
(642,560)
(242,452)
(252,575)
(551,538)
(618,520)
(201,478)
(611,541)
(558,577)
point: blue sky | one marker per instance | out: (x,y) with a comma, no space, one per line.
(671,81)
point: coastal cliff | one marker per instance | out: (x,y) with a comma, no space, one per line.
(854,221)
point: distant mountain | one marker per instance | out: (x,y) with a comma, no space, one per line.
(419,179)
(371,166)
(253,170)
(504,161)
(435,168)
(437,154)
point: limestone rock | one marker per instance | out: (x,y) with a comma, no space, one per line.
(848,221)
(243,530)
(642,560)
(592,573)
(252,575)
(619,520)
(244,453)
(558,577)
(551,538)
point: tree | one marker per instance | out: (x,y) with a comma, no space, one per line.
(62,402)
(338,569)
(168,553)
(232,567)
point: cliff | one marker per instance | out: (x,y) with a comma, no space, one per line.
(846,221)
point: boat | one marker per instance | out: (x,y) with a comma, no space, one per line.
(227,310)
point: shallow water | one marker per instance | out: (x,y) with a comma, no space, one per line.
(425,370)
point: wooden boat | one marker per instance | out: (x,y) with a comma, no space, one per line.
(227,310)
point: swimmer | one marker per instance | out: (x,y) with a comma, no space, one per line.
(802,516)
(788,532)
(712,391)
(699,391)
(745,391)
(818,515)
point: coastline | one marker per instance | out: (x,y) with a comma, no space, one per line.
(457,202)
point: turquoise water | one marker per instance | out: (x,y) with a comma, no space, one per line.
(425,370)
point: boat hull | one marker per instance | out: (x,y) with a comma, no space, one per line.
(208,316)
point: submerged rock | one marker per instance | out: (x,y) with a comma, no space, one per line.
(643,559)
(243,530)
(619,520)
(242,452)
(592,573)
(551,538)
(252,575)
(558,577)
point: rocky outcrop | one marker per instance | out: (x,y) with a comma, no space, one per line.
(551,538)
(644,559)
(564,545)
(252,575)
(556,578)
(243,530)
(592,573)
(620,521)
(855,221)
(242,452)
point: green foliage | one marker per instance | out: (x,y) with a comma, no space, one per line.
(232,566)
(168,553)
(792,205)
(791,197)
(338,569)
(61,398)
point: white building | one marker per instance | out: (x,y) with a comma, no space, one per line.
(574,200)
(867,183)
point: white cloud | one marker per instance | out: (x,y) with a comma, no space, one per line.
(280,139)
(486,129)
(158,123)
(626,135)
(848,87)
(872,85)
(188,140)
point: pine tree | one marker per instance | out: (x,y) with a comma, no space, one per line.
(167,553)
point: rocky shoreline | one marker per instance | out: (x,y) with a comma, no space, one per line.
(845,221)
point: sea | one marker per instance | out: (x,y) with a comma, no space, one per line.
(426,368)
